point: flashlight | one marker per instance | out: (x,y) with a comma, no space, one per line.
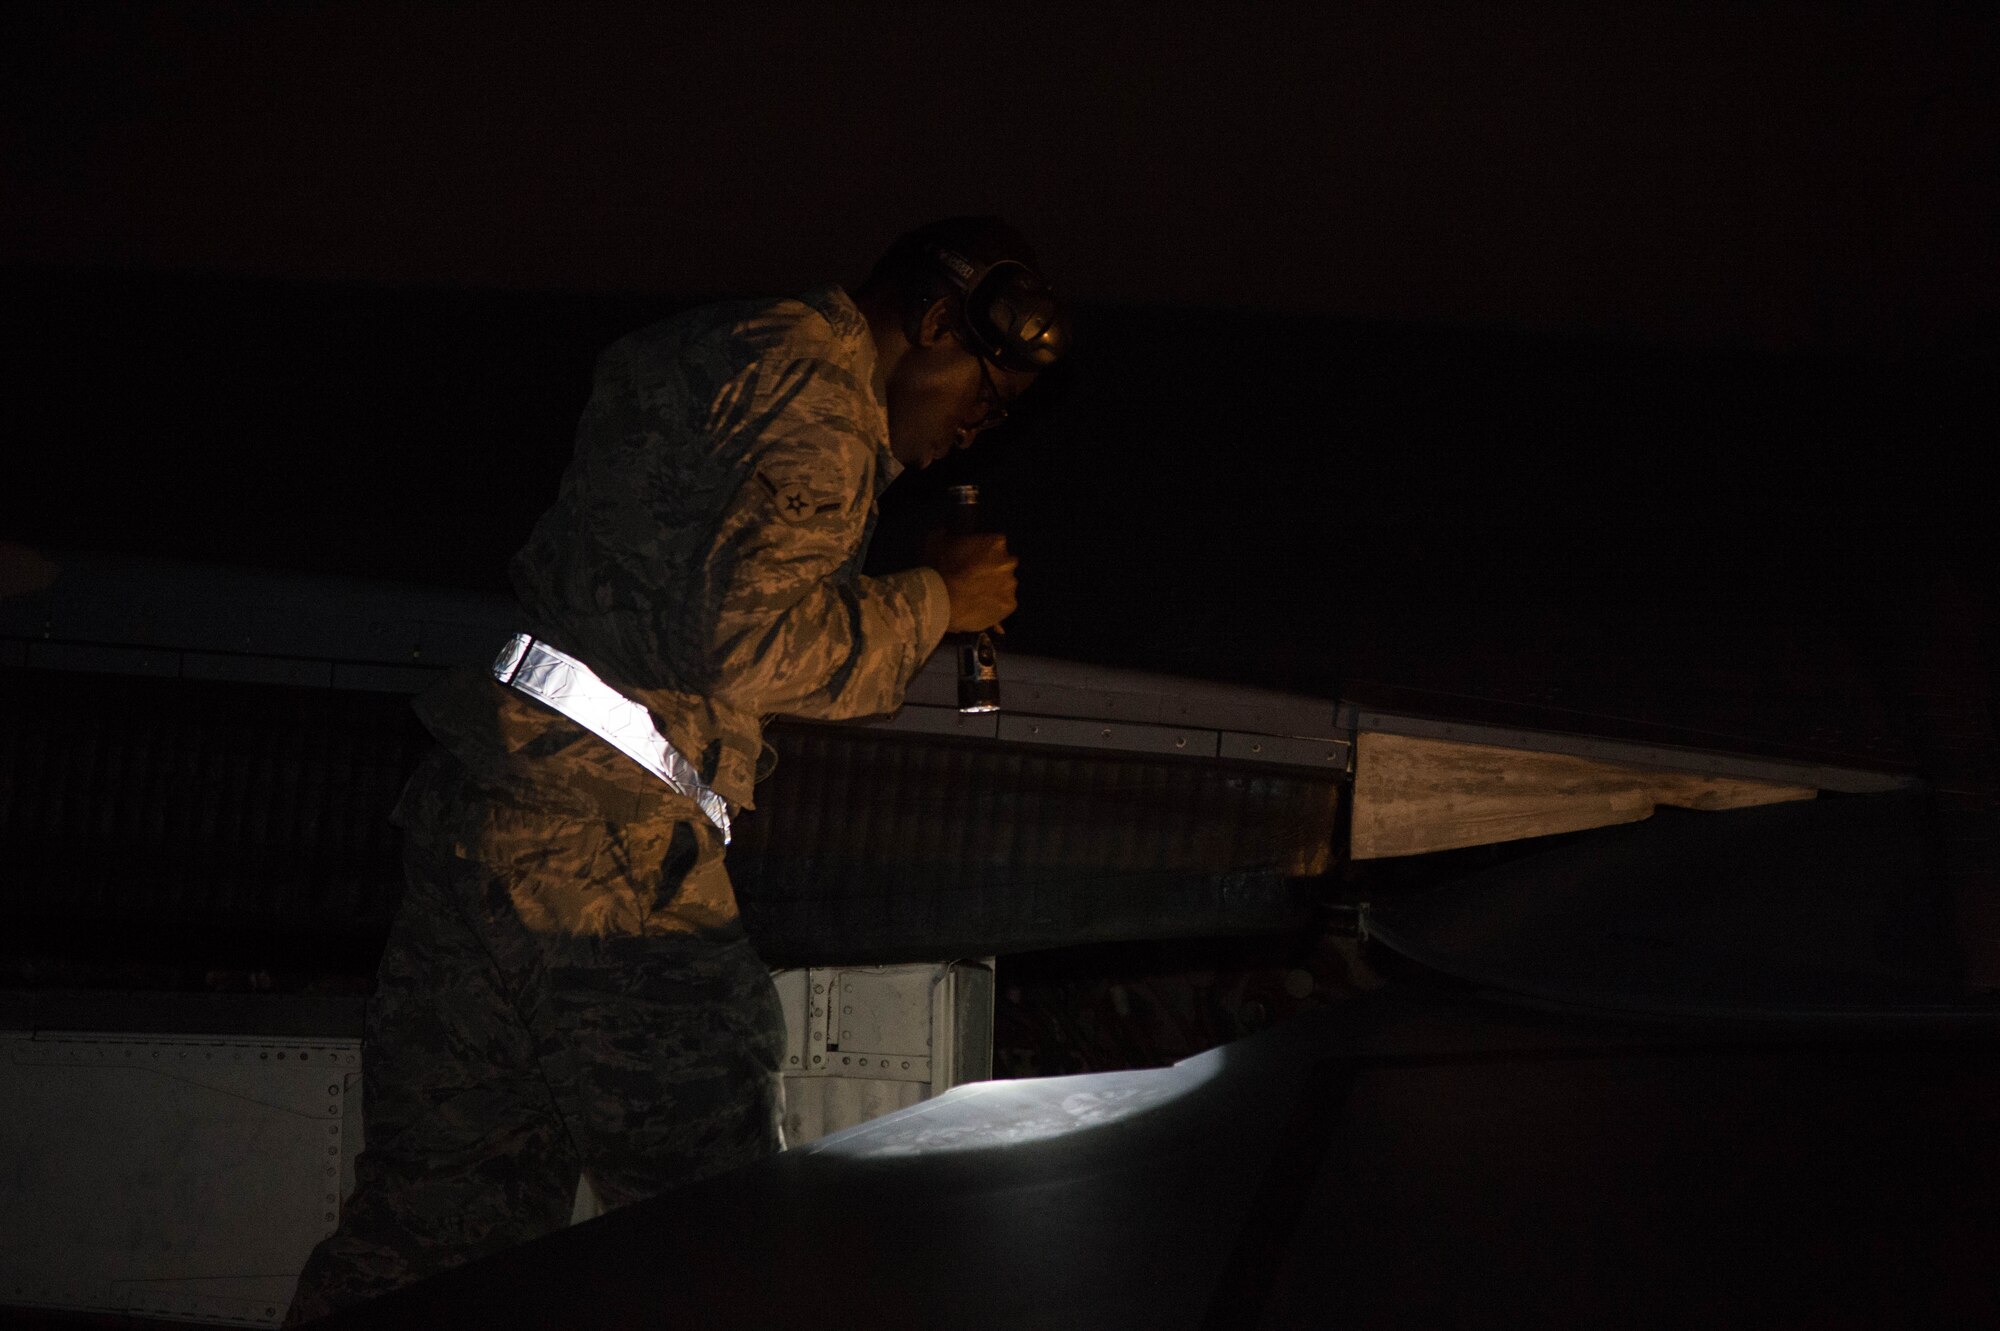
(978,662)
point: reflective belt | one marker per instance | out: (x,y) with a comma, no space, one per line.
(572,688)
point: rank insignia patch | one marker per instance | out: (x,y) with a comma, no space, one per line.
(793,502)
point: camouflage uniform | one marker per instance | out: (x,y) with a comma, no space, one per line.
(568,986)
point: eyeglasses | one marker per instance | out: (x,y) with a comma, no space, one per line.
(997,406)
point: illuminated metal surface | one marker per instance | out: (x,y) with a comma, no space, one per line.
(862,1041)
(559,680)
(166,1176)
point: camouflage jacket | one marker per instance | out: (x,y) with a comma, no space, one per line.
(704,553)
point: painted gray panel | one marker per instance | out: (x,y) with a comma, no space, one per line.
(1669,757)
(939,721)
(1329,755)
(936,685)
(900,1034)
(187,1177)
(451,642)
(791,987)
(1124,736)
(256,669)
(103,598)
(383,678)
(880,1022)
(1048,698)
(104,660)
(182,1177)
(1224,707)
(1046,686)
(817,1106)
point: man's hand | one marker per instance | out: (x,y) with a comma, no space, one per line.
(979,574)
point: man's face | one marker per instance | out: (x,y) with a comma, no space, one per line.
(941,396)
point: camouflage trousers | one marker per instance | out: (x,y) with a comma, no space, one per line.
(561,994)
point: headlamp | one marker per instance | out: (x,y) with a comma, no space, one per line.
(1008,316)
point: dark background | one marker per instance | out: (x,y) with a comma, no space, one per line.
(1790,176)
(1634,362)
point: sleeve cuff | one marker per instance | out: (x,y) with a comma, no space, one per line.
(924,588)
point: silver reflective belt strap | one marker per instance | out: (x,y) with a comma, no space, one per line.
(572,688)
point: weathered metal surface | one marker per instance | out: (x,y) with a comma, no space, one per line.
(1414,796)
(1720,761)
(193,813)
(182,1177)
(961,849)
(186,1176)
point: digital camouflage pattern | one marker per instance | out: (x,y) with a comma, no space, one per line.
(542,1011)
(567,987)
(704,553)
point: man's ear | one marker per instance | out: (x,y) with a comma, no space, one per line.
(935,324)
